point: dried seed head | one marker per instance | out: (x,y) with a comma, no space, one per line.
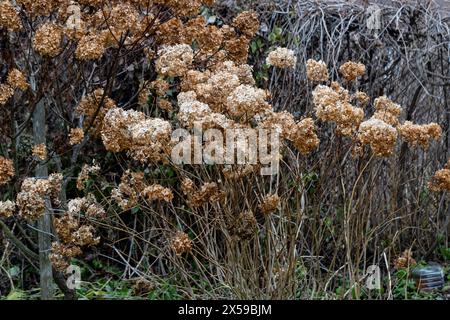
(282,58)
(47,40)
(269,204)
(317,71)
(379,135)
(76,135)
(7,208)
(6,92)
(6,170)
(441,179)
(17,80)
(352,70)
(40,151)
(421,135)
(181,243)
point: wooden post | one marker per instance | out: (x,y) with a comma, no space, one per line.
(44,223)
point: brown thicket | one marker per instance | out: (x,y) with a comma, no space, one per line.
(358,118)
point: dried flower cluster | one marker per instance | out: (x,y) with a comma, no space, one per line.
(416,134)
(181,243)
(40,151)
(74,230)
(379,135)
(405,260)
(244,226)
(6,92)
(7,208)
(332,104)
(145,139)
(17,80)
(9,17)
(6,170)
(269,204)
(157,192)
(208,193)
(282,58)
(317,71)
(128,193)
(47,40)
(31,198)
(441,179)
(94,108)
(91,46)
(387,111)
(174,60)
(86,172)
(76,135)
(352,70)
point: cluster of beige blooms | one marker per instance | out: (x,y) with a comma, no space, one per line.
(9,16)
(282,58)
(209,192)
(15,80)
(33,194)
(40,151)
(6,170)
(133,188)
(74,230)
(269,204)
(145,139)
(181,243)
(7,208)
(76,135)
(334,103)
(441,179)
(405,260)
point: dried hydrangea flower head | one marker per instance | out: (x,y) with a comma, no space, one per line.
(317,71)
(325,101)
(17,80)
(7,208)
(244,226)
(247,22)
(9,17)
(181,243)
(6,170)
(157,192)
(352,70)
(350,118)
(304,136)
(269,204)
(31,198)
(96,103)
(208,193)
(416,134)
(405,260)
(174,60)
(441,179)
(47,40)
(387,110)
(361,98)
(76,135)
(6,92)
(282,58)
(127,194)
(247,100)
(40,151)
(145,139)
(85,173)
(331,104)
(91,46)
(379,135)
(61,254)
